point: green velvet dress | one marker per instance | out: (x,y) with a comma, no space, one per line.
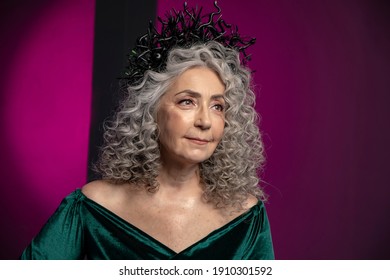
(82,229)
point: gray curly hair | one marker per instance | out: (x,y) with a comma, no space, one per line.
(130,153)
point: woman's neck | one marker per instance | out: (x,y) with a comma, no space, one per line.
(179,176)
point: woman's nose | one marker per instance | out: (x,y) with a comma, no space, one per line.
(203,120)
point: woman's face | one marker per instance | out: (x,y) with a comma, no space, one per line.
(191,117)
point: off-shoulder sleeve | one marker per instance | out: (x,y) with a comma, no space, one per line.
(261,247)
(62,236)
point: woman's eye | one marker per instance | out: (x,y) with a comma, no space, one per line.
(186,102)
(219,107)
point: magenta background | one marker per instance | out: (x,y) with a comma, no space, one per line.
(322,71)
(46,88)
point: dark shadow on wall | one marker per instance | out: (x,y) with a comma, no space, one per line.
(117,25)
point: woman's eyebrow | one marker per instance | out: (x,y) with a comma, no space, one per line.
(197,94)
(218,96)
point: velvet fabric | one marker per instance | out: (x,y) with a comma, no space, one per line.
(83,229)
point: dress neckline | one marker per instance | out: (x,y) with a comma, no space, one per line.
(227,226)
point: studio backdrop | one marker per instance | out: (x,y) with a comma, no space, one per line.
(322,83)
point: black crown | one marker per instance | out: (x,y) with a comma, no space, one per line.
(183,29)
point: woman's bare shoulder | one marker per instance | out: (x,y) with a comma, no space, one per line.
(98,190)
(250,202)
(233,212)
(108,193)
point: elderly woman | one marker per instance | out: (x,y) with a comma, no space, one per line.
(179,165)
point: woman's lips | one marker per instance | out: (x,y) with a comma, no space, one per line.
(198,141)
